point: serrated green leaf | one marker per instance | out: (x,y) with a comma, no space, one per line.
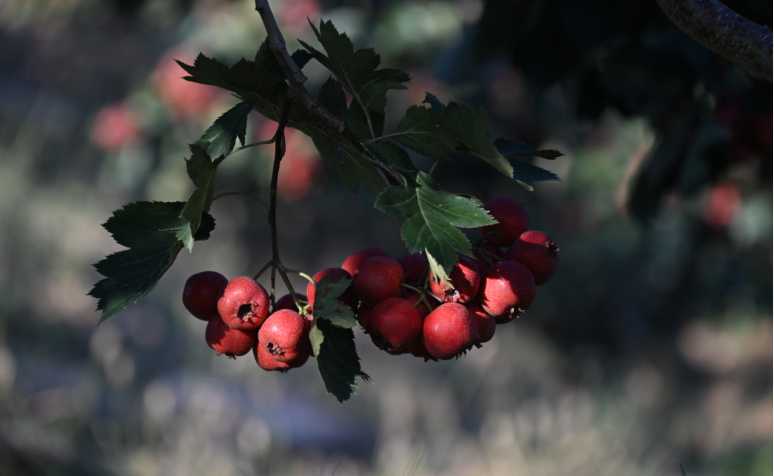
(316,338)
(432,219)
(219,139)
(201,169)
(347,164)
(471,128)
(338,362)
(519,150)
(532,173)
(149,230)
(394,156)
(327,305)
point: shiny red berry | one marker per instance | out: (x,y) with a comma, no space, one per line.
(395,324)
(508,289)
(448,331)
(283,341)
(512,221)
(379,278)
(352,263)
(536,251)
(244,304)
(230,342)
(485,324)
(201,293)
(465,279)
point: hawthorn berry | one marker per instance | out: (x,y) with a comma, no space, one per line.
(512,221)
(448,331)
(379,278)
(283,341)
(485,324)
(465,279)
(535,250)
(395,324)
(230,342)
(244,304)
(334,274)
(201,293)
(352,263)
(509,288)
(415,268)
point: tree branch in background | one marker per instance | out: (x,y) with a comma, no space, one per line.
(725,32)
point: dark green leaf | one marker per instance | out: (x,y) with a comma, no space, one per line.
(201,169)
(470,127)
(530,174)
(520,150)
(394,156)
(149,229)
(338,361)
(220,138)
(327,305)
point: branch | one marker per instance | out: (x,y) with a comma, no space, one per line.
(725,32)
(300,97)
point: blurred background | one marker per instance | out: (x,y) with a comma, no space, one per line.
(649,351)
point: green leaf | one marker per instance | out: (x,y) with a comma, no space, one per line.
(437,131)
(316,338)
(436,268)
(394,156)
(219,139)
(327,305)
(201,169)
(347,164)
(338,361)
(357,72)
(530,173)
(432,219)
(149,230)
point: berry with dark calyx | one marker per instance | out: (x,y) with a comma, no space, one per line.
(230,342)
(201,293)
(485,324)
(244,304)
(415,268)
(286,302)
(334,274)
(536,251)
(512,220)
(508,289)
(465,280)
(448,331)
(352,263)
(379,278)
(395,324)
(283,341)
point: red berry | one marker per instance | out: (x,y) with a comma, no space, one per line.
(395,324)
(536,251)
(201,293)
(286,302)
(244,304)
(448,331)
(334,274)
(508,289)
(485,324)
(379,278)
(283,341)
(414,268)
(224,340)
(465,281)
(352,263)
(512,220)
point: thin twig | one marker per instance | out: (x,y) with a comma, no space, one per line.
(725,32)
(277,44)
(395,134)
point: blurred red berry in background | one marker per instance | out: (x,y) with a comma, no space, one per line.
(184,98)
(114,127)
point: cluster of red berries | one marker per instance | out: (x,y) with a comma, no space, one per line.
(400,303)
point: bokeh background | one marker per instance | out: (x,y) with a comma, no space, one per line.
(649,351)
